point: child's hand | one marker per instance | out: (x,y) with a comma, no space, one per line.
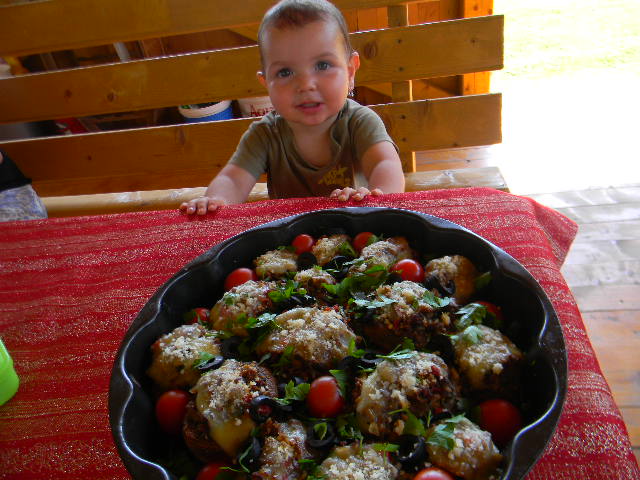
(345,194)
(201,205)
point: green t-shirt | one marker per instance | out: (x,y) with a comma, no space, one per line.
(268,147)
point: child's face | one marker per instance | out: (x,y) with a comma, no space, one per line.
(307,72)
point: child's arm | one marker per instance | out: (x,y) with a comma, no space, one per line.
(231,185)
(382,168)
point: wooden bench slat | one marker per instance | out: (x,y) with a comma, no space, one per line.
(83,23)
(66,206)
(188,155)
(388,55)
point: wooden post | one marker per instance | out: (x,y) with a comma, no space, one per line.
(480,82)
(398,16)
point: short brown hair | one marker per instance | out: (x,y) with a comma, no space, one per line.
(299,13)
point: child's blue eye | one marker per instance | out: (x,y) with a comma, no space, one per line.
(285,72)
(323,65)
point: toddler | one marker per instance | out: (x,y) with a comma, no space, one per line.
(316,142)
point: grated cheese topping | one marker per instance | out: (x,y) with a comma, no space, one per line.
(249,299)
(487,357)
(474,455)
(327,247)
(356,462)
(318,335)
(396,385)
(276,263)
(175,353)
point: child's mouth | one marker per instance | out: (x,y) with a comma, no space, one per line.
(309,105)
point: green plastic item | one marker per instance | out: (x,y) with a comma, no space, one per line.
(8,378)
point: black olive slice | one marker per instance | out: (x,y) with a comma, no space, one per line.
(412,452)
(306,260)
(323,437)
(229,347)
(441,344)
(263,407)
(393,278)
(212,364)
(250,458)
(337,262)
(432,281)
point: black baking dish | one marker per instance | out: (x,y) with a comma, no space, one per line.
(535,326)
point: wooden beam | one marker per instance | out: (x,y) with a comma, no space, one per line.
(388,55)
(46,26)
(477,82)
(398,16)
(189,155)
(67,206)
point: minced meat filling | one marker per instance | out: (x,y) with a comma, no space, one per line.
(420,383)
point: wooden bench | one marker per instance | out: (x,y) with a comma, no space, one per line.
(159,166)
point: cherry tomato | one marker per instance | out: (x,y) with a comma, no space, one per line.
(170,410)
(360,240)
(324,398)
(433,473)
(238,277)
(409,270)
(303,243)
(493,308)
(500,418)
(211,470)
(197,315)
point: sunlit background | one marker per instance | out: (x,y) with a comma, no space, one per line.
(571,94)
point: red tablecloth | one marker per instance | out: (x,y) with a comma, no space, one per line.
(69,289)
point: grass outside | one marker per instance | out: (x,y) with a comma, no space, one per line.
(554,37)
(570,94)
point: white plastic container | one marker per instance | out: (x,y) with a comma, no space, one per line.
(255,106)
(218,111)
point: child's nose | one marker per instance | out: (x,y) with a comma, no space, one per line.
(306,82)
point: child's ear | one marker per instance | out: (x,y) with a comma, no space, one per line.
(354,65)
(261,78)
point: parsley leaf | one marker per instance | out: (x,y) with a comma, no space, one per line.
(386,447)
(347,427)
(293,392)
(375,303)
(202,359)
(320,430)
(434,301)
(443,434)
(353,351)
(482,280)
(405,350)
(471,335)
(347,250)
(412,425)
(286,291)
(310,466)
(266,319)
(472,314)
(343,381)
(285,358)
